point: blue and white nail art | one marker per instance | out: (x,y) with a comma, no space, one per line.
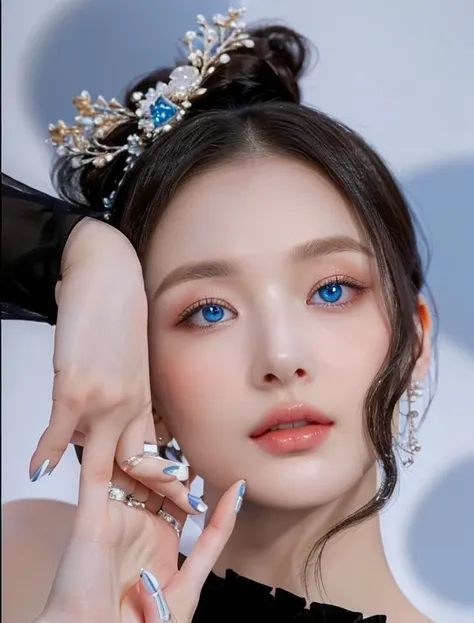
(240,496)
(152,587)
(42,470)
(181,471)
(197,503)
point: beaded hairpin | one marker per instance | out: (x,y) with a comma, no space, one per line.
(157,110)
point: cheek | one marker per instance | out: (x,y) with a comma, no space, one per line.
(191,383)
(354,351)
(363,343)
(365,353)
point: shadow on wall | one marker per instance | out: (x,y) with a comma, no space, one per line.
(102,47)
(443,199)
(440,538)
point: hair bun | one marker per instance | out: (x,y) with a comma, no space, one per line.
(267,72)
(286,52)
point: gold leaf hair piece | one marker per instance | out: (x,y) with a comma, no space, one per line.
(157,110)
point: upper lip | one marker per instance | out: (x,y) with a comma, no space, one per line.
(289,413)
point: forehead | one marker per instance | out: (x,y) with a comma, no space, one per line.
(252,208)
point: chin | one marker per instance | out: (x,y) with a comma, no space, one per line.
(309,483)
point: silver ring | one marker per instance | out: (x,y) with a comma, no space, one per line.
(150,451)
(171,520)
(150,447)
(117,494)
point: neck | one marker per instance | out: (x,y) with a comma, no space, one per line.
(271,546)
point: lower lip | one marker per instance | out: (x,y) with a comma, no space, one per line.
(288,440)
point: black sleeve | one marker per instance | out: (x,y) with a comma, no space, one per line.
(35,228)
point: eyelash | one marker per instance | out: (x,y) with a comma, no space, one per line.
(341,280)
(185,317)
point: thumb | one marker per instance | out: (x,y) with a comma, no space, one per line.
(153,602)
(186,591)
(210,544)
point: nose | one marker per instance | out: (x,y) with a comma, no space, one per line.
(282,372)
(282,357)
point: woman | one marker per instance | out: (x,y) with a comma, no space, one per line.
(285,323)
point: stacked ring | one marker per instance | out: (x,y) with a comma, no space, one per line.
(171,520)
(119,495)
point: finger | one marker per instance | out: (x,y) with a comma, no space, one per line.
(181,496)
(150,471)
(154,604)
(170,507)
(210,544)
(140,492)
(154,503)
(125,481)
(77,438)
(54,441)
(96,473)
(130,486)
(167,512)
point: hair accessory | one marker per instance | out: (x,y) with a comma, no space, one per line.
(157,110)
(408,441)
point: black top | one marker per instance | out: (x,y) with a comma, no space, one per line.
(236,599)
(35,228)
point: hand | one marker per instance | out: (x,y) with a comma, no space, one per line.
(101,384)
(111,542)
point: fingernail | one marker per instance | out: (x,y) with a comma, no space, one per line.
(180,471)
(240,496)
(150,583)
(197,503)
(42,470)
(152,587)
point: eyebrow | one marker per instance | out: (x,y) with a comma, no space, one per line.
(326,246)
(222,268)
(194,271)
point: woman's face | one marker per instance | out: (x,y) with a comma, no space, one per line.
(265,301)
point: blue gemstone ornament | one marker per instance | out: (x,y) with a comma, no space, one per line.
(162,111)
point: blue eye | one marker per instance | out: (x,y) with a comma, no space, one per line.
(333,293)
(212,313)
(206,315)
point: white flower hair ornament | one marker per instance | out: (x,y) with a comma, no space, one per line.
(157,110)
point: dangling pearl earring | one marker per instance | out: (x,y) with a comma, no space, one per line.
(407,439)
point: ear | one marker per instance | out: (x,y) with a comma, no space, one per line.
(424,326)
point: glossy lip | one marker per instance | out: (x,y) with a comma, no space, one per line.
(289,413)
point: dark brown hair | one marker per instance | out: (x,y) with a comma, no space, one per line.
(252,107)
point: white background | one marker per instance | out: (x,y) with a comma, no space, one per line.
(398,72)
